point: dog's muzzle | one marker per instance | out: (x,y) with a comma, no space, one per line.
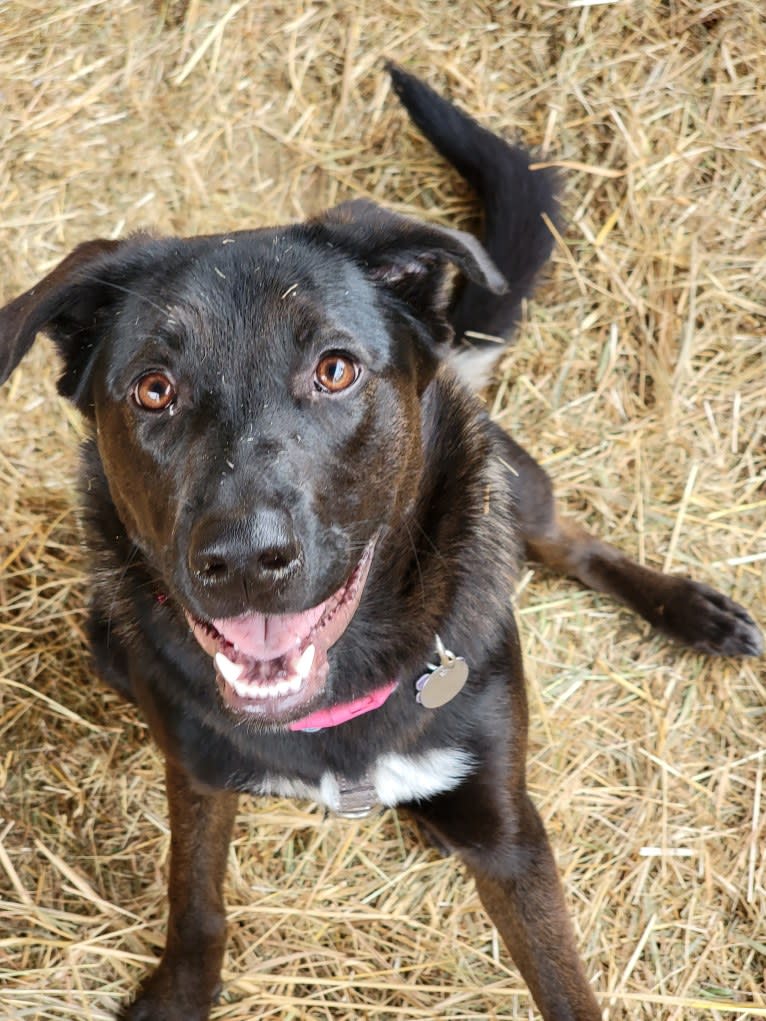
(273,667)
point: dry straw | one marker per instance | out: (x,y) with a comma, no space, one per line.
(638,379)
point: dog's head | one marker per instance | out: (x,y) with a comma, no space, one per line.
(256,405)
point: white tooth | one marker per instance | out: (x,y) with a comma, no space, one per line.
(303,665)
(242,688)
(230,672)
(256,690)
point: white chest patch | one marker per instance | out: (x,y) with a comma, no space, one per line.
(396,779)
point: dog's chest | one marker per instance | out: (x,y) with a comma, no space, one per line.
(391,780)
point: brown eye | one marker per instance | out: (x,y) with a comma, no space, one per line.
(154,392)
(335,372)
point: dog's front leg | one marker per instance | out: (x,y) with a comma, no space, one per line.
(502,840)
(186,982)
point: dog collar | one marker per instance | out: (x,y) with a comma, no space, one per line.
(344,712)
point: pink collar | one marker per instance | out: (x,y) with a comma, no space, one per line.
(338,714)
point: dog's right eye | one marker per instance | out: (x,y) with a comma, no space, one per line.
(154,391)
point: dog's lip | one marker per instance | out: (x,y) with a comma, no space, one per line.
(273,667)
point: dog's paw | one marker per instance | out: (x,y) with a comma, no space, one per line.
(158,1000)
(152,1008)
(143,1009)
(709,621)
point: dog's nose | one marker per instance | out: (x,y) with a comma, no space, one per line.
(258,550)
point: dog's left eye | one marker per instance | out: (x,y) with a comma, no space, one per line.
(335,372)
(154,391)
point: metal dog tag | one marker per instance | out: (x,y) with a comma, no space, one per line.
(444,681)
(356,799)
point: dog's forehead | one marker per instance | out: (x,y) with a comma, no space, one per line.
(230,296)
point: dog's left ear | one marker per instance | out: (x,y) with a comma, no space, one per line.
(409,257)
(69,304)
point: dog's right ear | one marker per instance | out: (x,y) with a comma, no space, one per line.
(68,304)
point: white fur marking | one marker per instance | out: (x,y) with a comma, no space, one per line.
(396,778)
(399,778)
(475,365)
(286,787)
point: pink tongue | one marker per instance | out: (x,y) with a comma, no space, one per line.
(265,637)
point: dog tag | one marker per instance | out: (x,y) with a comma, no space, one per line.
(356,799)
(444,681)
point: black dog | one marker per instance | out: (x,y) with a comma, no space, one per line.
(305,531)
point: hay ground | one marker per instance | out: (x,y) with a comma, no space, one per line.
(638,378)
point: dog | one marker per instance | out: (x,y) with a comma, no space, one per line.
(304,530)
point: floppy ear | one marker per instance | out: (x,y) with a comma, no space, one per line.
(409,257)
(68,304)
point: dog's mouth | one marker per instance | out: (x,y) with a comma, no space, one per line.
(273,666)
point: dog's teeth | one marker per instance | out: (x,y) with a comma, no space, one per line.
(230,672)
(246,689)
(303,665)
(242,688)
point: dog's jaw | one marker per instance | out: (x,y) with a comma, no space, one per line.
(273,667)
